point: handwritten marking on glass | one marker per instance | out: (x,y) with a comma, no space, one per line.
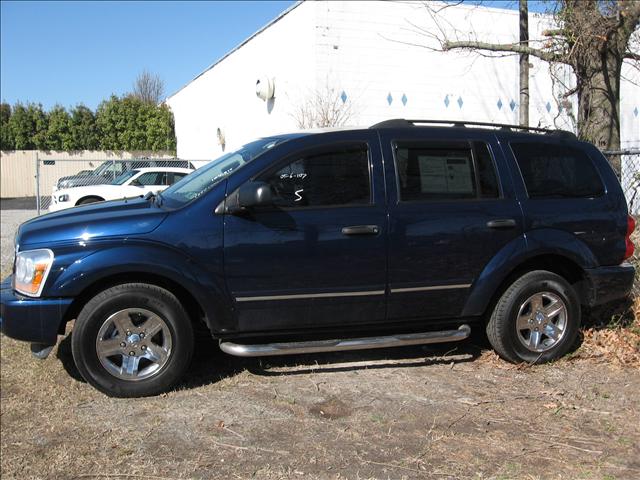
(301,176)
(299,197)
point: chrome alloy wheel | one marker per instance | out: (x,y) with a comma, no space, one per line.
(542,321)
(133,344)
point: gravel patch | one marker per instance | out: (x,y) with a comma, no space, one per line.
(10,220)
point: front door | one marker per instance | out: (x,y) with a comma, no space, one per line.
(449,216)
(318,257)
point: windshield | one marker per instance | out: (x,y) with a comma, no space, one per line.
(202,180)
(124,177)
(102,168)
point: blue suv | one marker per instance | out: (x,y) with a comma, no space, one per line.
(404,233)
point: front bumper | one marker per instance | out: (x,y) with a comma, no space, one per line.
(31,319)
(606,284)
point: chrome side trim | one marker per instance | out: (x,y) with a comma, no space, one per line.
(434,287)
(365,343)
(310,295)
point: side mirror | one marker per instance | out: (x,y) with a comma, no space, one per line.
(254,194)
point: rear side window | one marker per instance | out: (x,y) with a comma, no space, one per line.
(557,171)
(439,172)
(335,178)
(151,178)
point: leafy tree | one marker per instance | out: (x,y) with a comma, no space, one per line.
(128,123)
(161,133)
(83,128)
(40,122)
(120,123)
(28,126)
(6,137)
(59,130)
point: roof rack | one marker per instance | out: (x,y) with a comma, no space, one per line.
(403,123)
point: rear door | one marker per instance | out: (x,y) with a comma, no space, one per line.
(318,257)
(452,209)
(563,190)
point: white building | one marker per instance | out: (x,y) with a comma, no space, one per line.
(379,61)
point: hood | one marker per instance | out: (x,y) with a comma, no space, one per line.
(93,221)
(79,180)
(106,191)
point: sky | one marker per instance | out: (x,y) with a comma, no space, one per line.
(82,52)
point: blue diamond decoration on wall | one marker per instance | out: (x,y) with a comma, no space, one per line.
(548,107)
(635,111)
(343,96)
(389,98)
(499,104)
(460,102)
(404,99)
(446,101)
(512,105)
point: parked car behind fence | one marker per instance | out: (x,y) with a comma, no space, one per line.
(52,174)
(131,183)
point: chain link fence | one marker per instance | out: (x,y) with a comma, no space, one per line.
(626,164)
(55,178)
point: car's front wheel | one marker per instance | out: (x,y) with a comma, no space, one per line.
(132,340)
(88,200)
(536,319)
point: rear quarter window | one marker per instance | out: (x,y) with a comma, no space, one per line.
(557,171)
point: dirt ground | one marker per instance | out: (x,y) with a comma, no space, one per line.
(403,413)
(445,412)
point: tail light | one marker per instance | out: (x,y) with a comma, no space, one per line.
(631,225)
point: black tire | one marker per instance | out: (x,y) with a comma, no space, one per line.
(127,297)
(88,200)
(503,334)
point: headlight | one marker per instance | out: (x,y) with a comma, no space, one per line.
(63,198)
(32,269)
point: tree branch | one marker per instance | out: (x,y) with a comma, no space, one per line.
(558,32)
(504,47)
(632,56)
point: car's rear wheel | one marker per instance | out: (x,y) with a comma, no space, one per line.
(87,200)
(132,340)
(536,319)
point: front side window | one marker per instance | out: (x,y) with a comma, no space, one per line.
(557,171)
(325,179)
(151,178)
(122,179)
(439,172)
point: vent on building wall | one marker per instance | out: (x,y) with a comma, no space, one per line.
(221,139)
(265,88)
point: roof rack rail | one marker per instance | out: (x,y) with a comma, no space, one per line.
(403,123)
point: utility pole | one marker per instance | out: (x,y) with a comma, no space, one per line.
(524,64)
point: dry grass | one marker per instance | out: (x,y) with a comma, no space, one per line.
(614,334)
(395,414)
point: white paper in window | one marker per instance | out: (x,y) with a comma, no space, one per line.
(445,174)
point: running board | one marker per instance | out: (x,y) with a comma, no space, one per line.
(291,348)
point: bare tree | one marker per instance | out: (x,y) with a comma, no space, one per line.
(324,107)
(592,37)
(148,87)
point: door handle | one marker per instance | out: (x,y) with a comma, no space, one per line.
(361,230)
(502,223)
